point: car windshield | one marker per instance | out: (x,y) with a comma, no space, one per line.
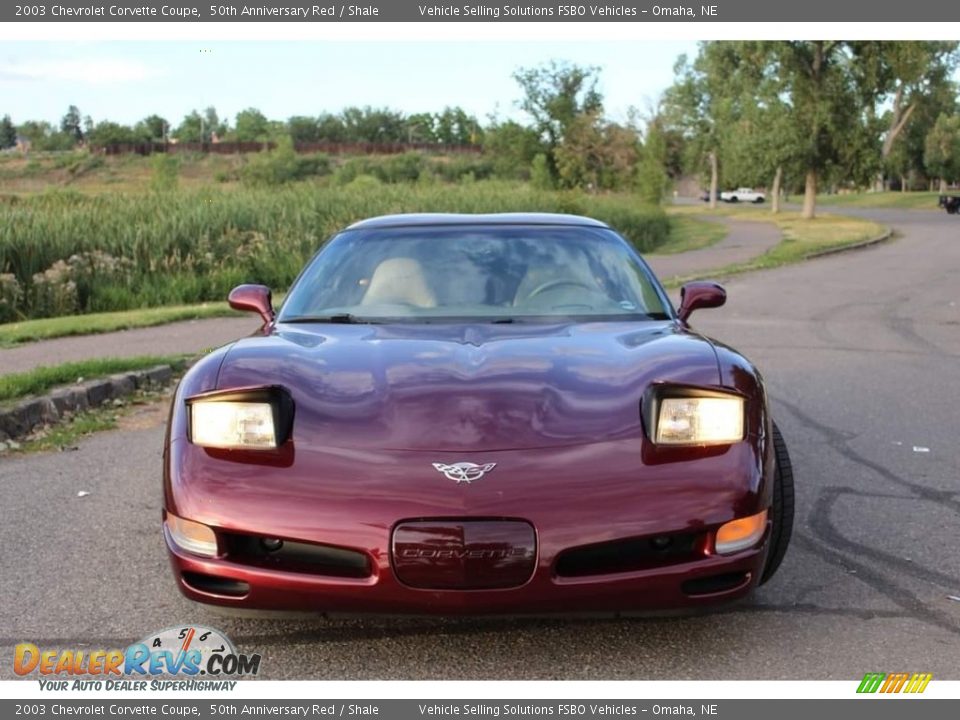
(497,273)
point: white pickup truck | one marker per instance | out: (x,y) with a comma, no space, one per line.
(743,195)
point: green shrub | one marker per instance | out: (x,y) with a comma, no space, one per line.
(69,252)
(364,183)
(11,297)
(165,172)
(540,176)
(53,292)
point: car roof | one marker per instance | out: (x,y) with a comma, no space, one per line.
(440,219)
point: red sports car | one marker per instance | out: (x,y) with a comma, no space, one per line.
(474,414)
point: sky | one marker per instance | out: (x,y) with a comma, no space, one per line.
(126,81)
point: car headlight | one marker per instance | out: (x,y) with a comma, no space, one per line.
(256,419)
(695,420)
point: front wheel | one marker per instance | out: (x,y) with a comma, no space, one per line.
(781,510)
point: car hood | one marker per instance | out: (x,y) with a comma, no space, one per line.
(470,387)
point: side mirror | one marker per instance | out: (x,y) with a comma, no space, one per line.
(700,294)
(253,298)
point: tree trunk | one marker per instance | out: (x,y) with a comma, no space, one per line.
(943,186)
(903,183)
(899,116)
(713,180)
(810,196)
(775,192)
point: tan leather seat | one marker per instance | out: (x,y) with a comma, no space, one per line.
(399,281)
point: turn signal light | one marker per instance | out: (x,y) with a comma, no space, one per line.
(741,533)
(191,536)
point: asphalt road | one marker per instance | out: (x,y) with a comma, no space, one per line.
(861,352)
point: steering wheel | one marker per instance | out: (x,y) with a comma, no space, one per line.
(550,284)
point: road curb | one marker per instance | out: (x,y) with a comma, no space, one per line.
(25,416)
(882,237)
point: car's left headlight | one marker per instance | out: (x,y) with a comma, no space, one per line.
(693,420)
(256,419)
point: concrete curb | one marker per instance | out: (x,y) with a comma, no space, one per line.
(20,419)
(882,237)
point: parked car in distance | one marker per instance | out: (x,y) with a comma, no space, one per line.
(950,203)
(743,195)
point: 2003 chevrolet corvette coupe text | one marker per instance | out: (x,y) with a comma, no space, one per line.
(474,414)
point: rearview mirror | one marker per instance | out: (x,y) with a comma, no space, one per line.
(700,294)
(253,298)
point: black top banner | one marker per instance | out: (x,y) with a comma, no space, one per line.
(535,11)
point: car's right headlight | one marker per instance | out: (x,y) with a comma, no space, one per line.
(232,425)
(252,419)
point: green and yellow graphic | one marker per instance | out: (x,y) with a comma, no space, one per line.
(894,682)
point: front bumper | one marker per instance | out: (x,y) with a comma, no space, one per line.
(652,589)
(577,497)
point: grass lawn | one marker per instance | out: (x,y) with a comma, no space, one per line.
(46,328)
(36,381)
(801,238)
(899,200)
(12,334)
(688,232)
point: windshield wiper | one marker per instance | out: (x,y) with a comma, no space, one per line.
(338,318)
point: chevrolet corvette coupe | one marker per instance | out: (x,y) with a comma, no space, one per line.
(471,414)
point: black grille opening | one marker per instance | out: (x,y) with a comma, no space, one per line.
(628,555)
(715,583)
(299,557)
(215,585)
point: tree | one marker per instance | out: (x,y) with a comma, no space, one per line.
(71,124)
(330,128)
(367,124)
(191,128)
(303,129)
(251,125)
(43,136)
(109,133)
(421,127)
(899,76)
(700,105)
(555,96)
(8,133)
(455,127)
(153,128)
(212,125)
(652,179)
(596,155)
(512,147)
(825,108)
(942,153)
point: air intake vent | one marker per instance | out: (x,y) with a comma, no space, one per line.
(620,556)
(298,557)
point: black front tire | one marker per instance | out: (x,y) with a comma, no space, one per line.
(781,510)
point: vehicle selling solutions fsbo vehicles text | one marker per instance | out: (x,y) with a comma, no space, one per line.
(496,11)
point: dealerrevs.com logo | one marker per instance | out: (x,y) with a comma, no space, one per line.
(188,652)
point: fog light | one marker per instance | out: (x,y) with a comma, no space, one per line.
(741,533)
(191,536)
(271,544)
(661,542)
